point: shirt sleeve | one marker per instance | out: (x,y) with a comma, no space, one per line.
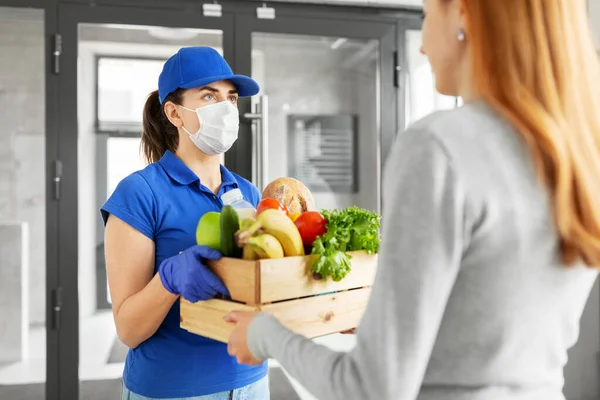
(422,245)
(134,203)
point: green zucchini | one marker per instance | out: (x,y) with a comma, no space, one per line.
(230,224)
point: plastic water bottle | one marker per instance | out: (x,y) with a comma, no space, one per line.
(235,199)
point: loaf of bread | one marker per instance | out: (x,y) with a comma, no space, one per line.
(291,193)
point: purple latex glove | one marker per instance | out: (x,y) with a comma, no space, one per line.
(186,274)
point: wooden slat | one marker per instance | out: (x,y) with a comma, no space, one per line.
(205,318)
(290,277)
(310,317)
(240,277)
(322,315)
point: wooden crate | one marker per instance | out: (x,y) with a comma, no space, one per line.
(286,288)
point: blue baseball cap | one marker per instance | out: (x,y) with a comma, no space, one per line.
(193,67)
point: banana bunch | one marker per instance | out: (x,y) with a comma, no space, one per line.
(271,235)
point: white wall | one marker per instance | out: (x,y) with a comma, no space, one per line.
(594,10)
(22,143)
(86,189)
(582,373)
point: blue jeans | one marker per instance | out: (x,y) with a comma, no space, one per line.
(255,391)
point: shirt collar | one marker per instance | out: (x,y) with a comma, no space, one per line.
(180,172)
(176,169)
(227,178)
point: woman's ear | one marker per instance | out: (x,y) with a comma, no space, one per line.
(172,113)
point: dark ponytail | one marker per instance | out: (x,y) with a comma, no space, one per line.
(158,134)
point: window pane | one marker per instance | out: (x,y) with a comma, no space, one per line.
(323,115)
(123,85)
(123,157)
(421,95)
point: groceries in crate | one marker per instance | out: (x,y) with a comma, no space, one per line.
(289,226)
(315,294)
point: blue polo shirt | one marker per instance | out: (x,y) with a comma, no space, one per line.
(165,201)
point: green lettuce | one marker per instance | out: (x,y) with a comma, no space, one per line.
(350,229)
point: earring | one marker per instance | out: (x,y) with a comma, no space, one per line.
(461,35)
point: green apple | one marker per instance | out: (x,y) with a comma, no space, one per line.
(208,232)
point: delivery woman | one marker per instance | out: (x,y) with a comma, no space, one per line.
(151,220)
(491,220)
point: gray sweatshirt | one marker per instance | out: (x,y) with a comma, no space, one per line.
(471,301)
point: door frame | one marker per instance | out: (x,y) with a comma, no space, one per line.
(54,360)
(409,22)
(321,25)
(70,16)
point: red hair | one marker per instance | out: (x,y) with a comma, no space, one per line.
(535,62)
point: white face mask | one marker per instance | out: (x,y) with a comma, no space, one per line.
(219,125)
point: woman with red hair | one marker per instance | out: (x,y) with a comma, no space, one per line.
(491,230)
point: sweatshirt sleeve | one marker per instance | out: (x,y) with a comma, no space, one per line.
(423,234)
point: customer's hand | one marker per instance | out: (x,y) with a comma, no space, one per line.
(186,274)
(237,345)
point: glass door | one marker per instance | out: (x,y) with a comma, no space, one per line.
(326,113)
(28,247)
(421,98)
(112,57)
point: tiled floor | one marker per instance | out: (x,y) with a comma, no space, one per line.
(96,341)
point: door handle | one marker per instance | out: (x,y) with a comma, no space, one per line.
(56,308)
(260,141)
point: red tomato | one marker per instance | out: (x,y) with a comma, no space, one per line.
(267,203)
(311,225)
